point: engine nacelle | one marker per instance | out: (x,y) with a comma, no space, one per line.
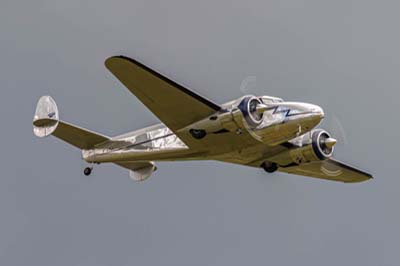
(322,144)
(315,146)
(144,173)
(248,107)
(243,114)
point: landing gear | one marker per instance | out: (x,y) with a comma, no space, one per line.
(87,171)
(198,133)
(269,167)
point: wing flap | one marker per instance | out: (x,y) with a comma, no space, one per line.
(329,169)
(175,105)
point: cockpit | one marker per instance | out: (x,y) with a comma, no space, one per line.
(270,99)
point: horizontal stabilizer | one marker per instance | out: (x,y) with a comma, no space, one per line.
(46,122)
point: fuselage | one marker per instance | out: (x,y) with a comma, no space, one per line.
(242,133)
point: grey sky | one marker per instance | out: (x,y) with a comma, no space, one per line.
(342,55)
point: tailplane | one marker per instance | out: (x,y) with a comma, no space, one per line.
(46,122)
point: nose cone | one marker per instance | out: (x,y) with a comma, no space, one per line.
(312,115)
(318,111)
(317,114)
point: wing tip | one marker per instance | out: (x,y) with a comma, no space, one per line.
(128,59)
(108,61)
(367,176)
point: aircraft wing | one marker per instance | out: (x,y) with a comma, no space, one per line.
(175,105)
(329,169)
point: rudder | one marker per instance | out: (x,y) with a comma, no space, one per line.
(46,117)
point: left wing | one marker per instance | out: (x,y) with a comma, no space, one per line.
(329,169)
(175,105)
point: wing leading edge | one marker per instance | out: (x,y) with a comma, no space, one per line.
(329,169)
(175,105)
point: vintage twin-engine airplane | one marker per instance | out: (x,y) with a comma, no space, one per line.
(254,131)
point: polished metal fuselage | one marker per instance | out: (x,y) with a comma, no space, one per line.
(282,122)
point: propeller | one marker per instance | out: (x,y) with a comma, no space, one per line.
(248,85)
(333,125)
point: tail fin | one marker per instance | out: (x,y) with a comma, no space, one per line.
(46,122)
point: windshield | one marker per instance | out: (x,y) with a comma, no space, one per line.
(269,99)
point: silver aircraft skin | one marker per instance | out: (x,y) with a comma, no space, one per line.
(258,131)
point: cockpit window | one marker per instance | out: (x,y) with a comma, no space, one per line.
(294,112)
(269,99)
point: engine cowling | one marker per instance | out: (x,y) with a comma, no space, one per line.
(144,173)
(322,144)
(315,146)
(248,107)
(318,145)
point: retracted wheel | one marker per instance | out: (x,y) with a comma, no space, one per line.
(269,167)
(87,171)
(198,133)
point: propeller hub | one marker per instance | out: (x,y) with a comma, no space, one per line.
(330,142)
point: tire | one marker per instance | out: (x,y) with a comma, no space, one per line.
(269,167)
(198,133)
(87,171)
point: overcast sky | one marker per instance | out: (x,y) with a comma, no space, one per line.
(342,55)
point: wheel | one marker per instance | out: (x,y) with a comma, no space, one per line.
(87,171)
(269,167)
(198,133)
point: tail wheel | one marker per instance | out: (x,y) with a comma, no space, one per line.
(87,171)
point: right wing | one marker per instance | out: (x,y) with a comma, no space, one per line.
(175,105)
(329,169)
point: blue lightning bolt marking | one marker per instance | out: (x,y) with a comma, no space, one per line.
(277,111)
(285,111)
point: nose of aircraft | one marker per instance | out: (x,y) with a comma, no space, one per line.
(314,117)
(315,110)
(318,111)
(313,114)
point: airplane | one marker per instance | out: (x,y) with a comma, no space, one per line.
(257,131)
